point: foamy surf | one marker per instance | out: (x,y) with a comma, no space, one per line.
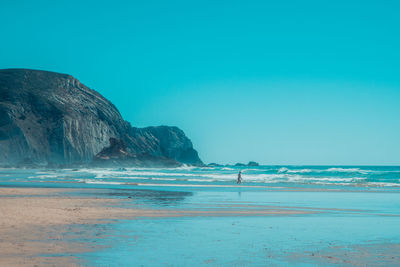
(367,176)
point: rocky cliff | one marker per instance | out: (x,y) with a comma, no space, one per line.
(52,118)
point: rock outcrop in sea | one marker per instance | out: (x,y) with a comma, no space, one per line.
(250,164)
(52,118)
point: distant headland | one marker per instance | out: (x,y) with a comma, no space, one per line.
(52,119)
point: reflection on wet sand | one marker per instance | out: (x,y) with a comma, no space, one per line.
(161,198)
(382,254)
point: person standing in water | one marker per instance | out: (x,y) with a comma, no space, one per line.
(239,179)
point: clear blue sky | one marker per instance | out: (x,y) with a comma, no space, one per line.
(279,82)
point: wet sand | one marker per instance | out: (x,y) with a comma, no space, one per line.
(383,254)
(35,221)
(36,224)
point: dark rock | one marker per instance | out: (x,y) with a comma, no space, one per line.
(52,118)
(116,150)
(250,164)
(117,155)
(163,141)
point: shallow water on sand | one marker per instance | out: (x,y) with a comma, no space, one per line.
(338,221)
(298,216)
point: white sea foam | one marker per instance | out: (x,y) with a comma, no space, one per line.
(207,177)
(326,183)
(201,180)
(44,176)
(164,179)
(185,174)
(101,182)
(348,170)
(329,179)
(286,170)
(283,169)
(334,169)
(299,171)
(383,184)
(128,177)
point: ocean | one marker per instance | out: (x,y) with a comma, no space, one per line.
(362,177)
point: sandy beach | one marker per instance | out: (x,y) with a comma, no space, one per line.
(34,221)
(36,224)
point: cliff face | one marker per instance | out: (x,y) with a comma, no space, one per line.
(163,141)
(47,117)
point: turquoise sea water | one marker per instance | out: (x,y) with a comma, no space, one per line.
(351,215)
(317,176)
